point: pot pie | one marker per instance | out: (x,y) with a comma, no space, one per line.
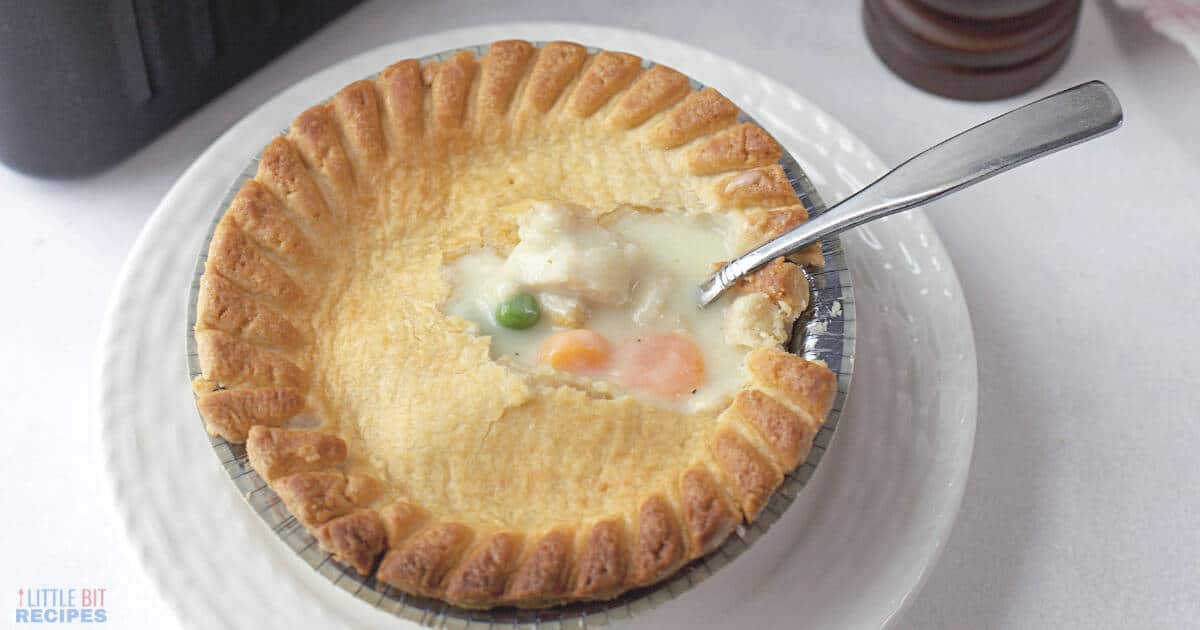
(453,320)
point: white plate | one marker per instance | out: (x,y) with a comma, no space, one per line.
(851,552)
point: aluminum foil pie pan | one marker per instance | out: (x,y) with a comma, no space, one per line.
(826,332)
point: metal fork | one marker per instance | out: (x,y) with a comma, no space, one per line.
(1024,134)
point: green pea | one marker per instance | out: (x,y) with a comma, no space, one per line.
(519,312)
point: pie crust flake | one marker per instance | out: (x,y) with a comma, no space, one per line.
(387,428)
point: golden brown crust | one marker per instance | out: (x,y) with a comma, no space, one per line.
(768,224)
(278,452)
(262,217)
(230,413)
(707,514)
(742,147)
(765,225)
(607,74)
(655,90)
(556,65)
(231,363)
(544,574)
(232,255)
(602,561)
(787,435)
(316,497)
(282,172)
(403,96)
(482,576)
(501,70)
(400,520)
(660,548)
(765,187)
(255,323)
(223,306)
(803,385)
(356,539)
(450,81)
(317,141)
(421,563)
(751,476)
(363,489)
(783,282)
(356,109)
(700,114)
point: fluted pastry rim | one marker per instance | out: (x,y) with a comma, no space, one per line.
(247,390)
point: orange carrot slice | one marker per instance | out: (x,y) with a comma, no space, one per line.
(577,350)
(667,364)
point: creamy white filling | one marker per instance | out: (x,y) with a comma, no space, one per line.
(636,276)
(563,251)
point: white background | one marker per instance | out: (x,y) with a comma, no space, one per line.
(1082,274)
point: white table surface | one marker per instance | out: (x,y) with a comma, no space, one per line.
(1082,274)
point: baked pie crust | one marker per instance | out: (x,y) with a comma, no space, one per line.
(384,425)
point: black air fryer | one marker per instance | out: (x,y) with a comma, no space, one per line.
(85,83)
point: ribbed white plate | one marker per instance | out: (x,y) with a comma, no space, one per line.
(851,551)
